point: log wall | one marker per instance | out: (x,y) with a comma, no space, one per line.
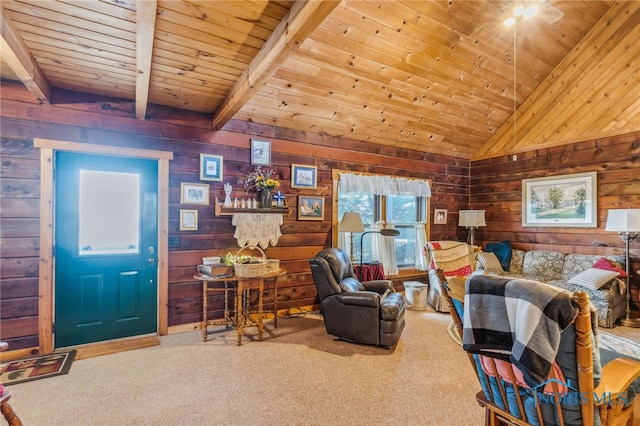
(112,122)
(496,186)
(492,184)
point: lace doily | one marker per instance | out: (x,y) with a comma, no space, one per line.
(257,229)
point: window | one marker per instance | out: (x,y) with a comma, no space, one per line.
(402,211)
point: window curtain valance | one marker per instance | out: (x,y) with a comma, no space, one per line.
(383,185)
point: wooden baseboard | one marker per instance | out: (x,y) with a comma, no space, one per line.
(89,350)
(115,346)
(19,354)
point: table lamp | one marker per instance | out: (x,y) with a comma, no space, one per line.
(471,219)
(626,222)
(384,232)
(351,222)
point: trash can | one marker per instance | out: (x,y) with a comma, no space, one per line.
(415,294)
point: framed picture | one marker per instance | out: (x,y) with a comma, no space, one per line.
(439,216)
(565,200)
(260,153)
(304,176)
(211,167)
(310,207)
(194,193)
(188,220)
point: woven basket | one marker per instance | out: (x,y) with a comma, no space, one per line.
(251,270)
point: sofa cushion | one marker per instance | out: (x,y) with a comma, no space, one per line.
(608,265)
(517,259)
(489,262)
(502,251)
(576,263)
(543,265)
(593,278)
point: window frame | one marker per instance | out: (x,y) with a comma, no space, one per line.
(380,201)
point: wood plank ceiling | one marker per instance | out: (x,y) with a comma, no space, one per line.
(436,76)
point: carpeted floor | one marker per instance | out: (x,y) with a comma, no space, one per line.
(298,375)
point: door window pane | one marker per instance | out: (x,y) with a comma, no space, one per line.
(109,213)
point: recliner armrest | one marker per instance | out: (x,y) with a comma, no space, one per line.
(360,298)
(379,286)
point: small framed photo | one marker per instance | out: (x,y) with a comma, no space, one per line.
(310,207)
(211,167)
(188,220)
(260,152)
(194,193)
(439,216)
(305,177)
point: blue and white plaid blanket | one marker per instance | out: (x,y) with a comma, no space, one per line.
(516,320)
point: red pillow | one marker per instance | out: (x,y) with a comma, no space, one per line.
(607,265)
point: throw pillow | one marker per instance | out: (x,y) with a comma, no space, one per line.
(489,262)
(607,265)
(502,251)
(593,278)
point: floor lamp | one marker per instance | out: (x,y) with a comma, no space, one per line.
(626,222)
(471,219)
(351,222)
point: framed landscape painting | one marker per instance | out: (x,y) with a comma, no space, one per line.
(564,200)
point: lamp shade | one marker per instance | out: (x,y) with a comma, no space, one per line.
(623,220)
(351,222)
(470,218)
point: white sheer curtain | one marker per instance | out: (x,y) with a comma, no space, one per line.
(343,240)
(387,247)
(383,248)
(384,185)
(421,242)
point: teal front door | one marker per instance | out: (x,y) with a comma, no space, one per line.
(106,236)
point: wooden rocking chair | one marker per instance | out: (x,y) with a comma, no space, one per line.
(509,402)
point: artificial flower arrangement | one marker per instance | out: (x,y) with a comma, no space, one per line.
(261,179)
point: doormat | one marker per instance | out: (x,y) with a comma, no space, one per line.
(40,367)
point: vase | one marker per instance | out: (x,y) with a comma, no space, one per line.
(265,198)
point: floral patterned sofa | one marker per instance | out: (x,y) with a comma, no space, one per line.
(557,269)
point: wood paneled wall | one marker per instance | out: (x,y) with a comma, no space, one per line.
(496,186)
(187,135)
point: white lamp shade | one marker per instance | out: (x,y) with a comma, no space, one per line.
(351,222)
(623,220)
(470,218)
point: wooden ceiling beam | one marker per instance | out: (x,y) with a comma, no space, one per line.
(16,53)
(145,33)
(303,18)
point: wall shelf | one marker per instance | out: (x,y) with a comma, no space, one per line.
(221,210)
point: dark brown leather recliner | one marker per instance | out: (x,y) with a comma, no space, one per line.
(361,312)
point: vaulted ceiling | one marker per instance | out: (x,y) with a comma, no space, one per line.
(435,76)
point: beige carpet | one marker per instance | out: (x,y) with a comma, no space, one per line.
(298,375)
